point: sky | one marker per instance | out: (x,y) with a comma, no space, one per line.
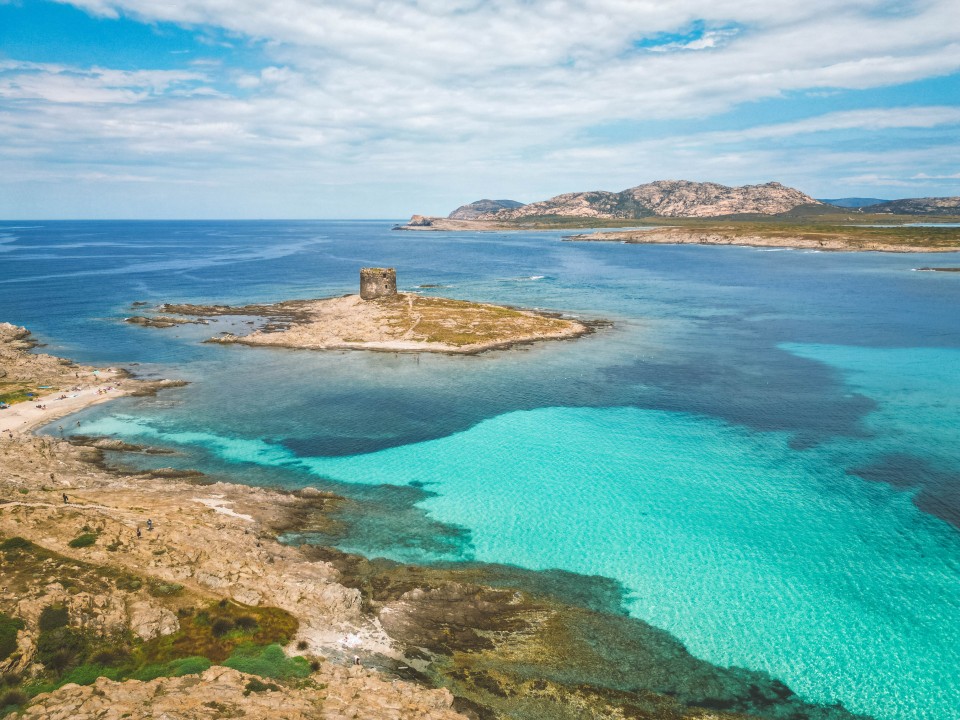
(381,109)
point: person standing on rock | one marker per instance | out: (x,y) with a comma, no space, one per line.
(65,499)
(139,534)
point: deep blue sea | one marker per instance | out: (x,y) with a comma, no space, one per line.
(763,449)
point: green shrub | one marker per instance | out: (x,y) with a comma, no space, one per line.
(84,540)
(11,700)
(258,686)
(16,543)
(8,635)
(88,674)
(267,661)
(246,623)
(221,626)
(189,666)
(129,583)
(158,588)
(62,648)
(109,657)
(175,668)
(53,617)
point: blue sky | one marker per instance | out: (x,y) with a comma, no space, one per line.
(363,108)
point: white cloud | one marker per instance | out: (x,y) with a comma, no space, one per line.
(476,90)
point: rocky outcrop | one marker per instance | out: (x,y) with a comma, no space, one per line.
(333,693)
(920,206)
(148,620)
(665,198)
(483,207)
(420,221)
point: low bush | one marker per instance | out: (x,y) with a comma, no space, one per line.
(11,700)
(84,540)
(129,583)
(158,588)
(87,674)
(246,623)
(110,656)
(258,686)
(53,617)
(175,668)
(221,626)
(9,627)
(267,661)
(62,648)
(16,543)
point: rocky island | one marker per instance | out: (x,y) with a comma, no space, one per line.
(380,318)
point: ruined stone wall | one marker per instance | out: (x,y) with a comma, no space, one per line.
(377,282)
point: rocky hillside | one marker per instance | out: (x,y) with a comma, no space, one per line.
(664,198)
(483,207)
(920,206)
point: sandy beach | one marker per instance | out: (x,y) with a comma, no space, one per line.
(57,387)
(24,417)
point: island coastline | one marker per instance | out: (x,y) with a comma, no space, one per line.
(401,323)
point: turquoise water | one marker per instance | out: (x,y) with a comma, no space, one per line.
(754,554)
(762,450)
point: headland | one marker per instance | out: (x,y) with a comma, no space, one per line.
(682,212)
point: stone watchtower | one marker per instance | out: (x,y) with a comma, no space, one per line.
(377,283)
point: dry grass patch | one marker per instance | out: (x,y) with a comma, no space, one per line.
(460,323)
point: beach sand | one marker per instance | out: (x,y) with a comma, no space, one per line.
(59,387)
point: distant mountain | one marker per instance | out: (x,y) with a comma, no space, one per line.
(920,206)
(853,202)
(483,207)
(664,198)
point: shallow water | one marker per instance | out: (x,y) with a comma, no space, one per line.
(762,450)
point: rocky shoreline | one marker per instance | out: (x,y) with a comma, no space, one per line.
(837,242)
(438,643)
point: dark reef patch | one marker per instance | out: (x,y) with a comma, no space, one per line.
(938,489)
(511,643)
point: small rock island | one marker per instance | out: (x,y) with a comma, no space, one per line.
(381,318)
